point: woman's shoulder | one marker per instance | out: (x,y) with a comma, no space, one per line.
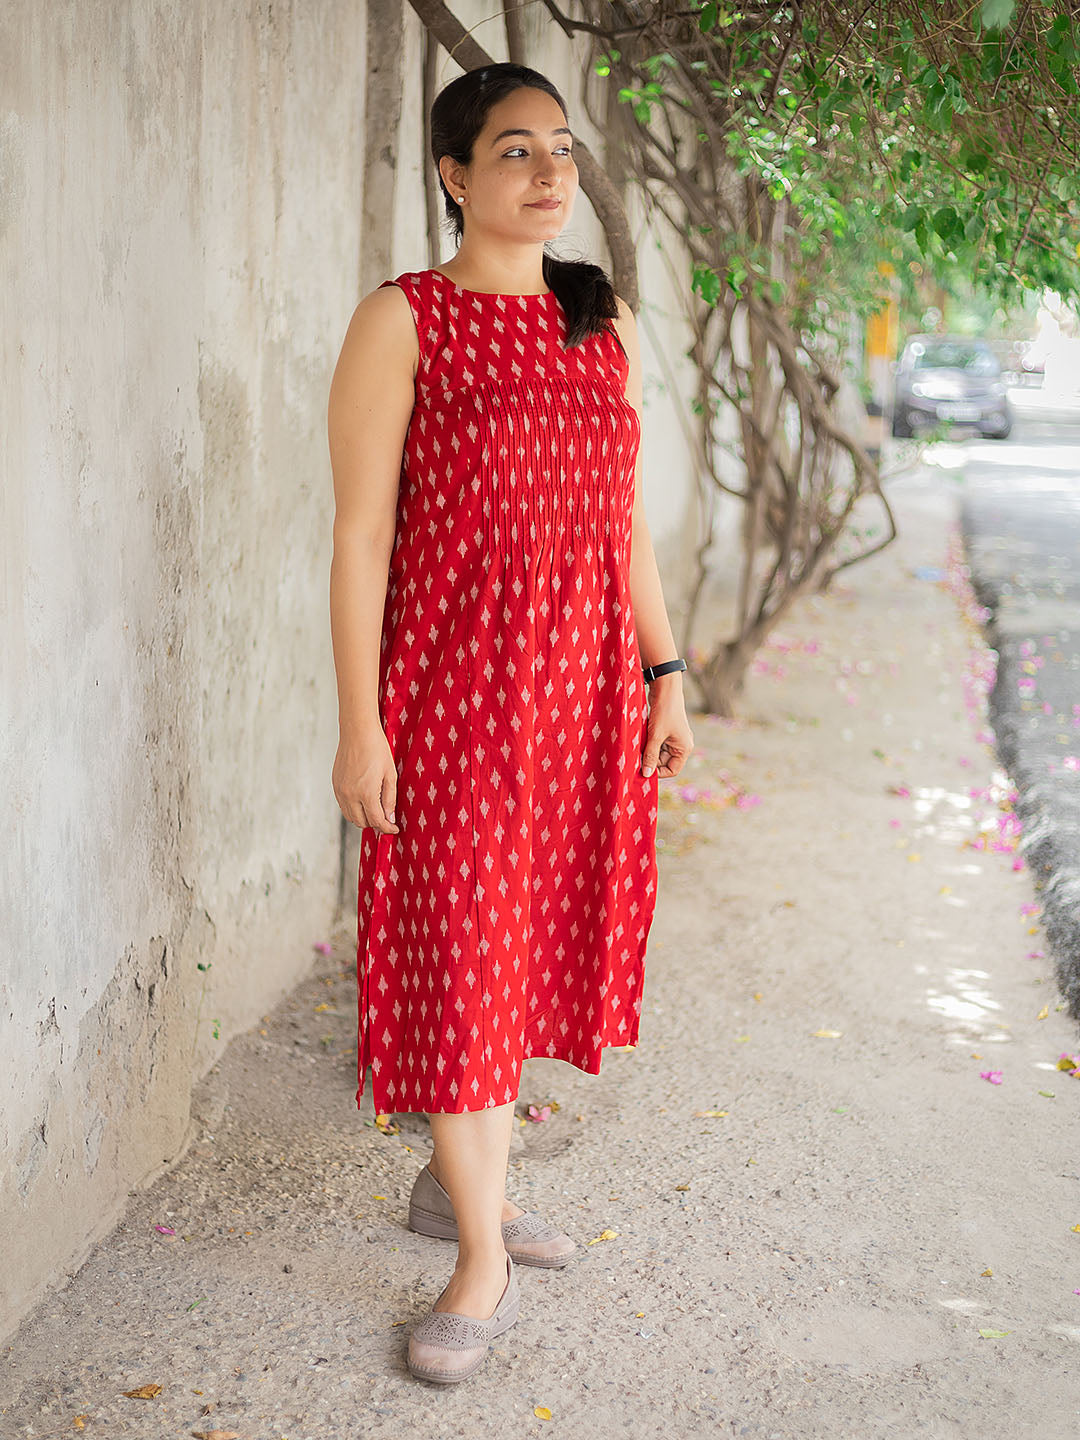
(624,328)
(413,283)
(385,322)
(625,323)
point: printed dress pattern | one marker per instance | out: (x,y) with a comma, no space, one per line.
(509,918)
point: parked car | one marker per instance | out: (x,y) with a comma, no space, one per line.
(951,378)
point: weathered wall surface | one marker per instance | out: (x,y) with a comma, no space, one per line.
(182,242)
(180,253)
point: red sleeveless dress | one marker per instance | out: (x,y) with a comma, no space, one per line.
(509,917)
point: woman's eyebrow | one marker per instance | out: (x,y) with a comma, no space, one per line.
(562,130)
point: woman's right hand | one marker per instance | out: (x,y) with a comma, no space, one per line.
(365,780)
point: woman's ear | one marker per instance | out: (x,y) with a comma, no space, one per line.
(452,175)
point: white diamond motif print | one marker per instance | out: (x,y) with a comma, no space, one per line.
(510,916)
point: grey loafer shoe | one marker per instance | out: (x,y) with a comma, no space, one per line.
(446,1347)
(529,1240)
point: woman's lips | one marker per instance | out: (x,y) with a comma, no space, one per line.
(544,204)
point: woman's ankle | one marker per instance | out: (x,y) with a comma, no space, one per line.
(479,1258)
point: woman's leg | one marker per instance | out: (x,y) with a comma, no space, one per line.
(510,1211)
(471,1152)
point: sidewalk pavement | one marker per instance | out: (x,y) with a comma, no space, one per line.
(833,1193)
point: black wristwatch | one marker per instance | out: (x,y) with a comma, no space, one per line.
(652,671)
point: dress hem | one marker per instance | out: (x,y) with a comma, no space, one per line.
(592,1067)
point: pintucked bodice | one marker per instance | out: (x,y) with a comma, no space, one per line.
(543,437)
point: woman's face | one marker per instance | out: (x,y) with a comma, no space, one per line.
(510,172)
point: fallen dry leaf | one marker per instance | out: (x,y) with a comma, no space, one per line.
(144,1392)
(216,1434)
(604,1235)
(705,1114)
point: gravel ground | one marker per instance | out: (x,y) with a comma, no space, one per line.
(821,1221)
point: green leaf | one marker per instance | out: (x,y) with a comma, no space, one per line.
(706,283)
(996,14)
(736,275)
(945,221)
(911,217)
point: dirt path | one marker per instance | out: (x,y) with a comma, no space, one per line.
(818,1259)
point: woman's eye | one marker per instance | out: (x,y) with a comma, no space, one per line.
(520,150)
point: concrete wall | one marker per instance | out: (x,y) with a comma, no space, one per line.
(180,252)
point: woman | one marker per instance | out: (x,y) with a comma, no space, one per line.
(493,596)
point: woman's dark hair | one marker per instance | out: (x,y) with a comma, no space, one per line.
(458,114)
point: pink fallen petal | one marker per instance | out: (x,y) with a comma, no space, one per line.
(994,1076)
(164,1229)
(322,947)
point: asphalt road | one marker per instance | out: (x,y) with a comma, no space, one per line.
(1021,520)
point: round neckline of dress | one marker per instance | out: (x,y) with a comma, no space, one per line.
(493,294)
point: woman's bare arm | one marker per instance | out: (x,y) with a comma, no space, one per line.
(370,402)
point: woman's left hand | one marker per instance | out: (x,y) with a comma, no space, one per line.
(668,741)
